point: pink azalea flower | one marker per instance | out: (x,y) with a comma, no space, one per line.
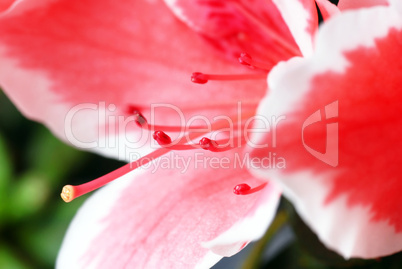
(93,57)
(344,175)
(76,65)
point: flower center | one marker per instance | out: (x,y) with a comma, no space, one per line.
(186,142)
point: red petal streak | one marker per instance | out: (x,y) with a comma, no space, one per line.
(96,51)
(239,26)
(370,129)
(5,4)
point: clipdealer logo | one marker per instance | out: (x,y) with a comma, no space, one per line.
(331,154)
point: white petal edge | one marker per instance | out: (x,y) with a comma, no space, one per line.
(252,228)
(209,260)
(397,4)
(10,77)
(80,126)
(358,219)
(296,18)
(178,11)
(339,34)
(326,6)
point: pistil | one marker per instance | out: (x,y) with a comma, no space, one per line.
(71,192)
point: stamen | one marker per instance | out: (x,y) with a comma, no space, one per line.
(244,189)
(174,129)
(208,144)
(71,192)
(214,146)
(165,141)
(162,138)
(140,120)
(201,78)
(246,59)
(205,143)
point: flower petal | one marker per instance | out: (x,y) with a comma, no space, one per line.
(66,63)
(252,227)
(355,4)
(341,138)
(158,218)
(327,9)
(301,18)
(239,26)
(5,4)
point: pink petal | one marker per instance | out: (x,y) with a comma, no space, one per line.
(255,27)
(301,18)
(252,227)
(160,218)
(327,9)
(343,172)
(60,54)
(355,4)
(5,4)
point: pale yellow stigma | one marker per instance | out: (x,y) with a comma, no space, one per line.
(67,194)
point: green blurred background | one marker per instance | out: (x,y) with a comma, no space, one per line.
(34,166)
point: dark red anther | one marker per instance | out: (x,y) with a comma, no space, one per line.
(241,189)
(199,78)
(245,59)
(162,138)
(205,143)
(139,119)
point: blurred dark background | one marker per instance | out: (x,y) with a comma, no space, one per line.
(34,166)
